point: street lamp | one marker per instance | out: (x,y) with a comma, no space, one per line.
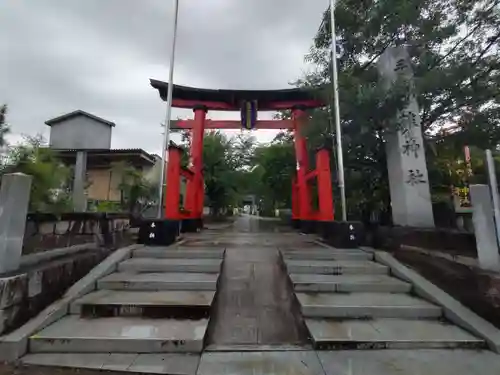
(166,136)
(340,156)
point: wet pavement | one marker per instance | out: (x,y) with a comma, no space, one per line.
(255,304)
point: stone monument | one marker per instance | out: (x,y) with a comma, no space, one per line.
(408,177)
(14,199)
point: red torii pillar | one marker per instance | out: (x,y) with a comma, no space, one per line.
(302,195)
(195,186)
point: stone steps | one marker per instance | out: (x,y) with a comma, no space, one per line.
(152,304)
(326,254)
(366,306)
(180,252)
(341,267)
(368,310)
(330,334)
(348,283)
(144,265)
(159,281)
(73,334)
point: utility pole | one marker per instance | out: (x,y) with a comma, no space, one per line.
(166,136)
(338,131)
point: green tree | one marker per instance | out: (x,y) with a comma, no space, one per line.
(220,167)
(4,127)
(51,184)
(275,168)
(453,47)
(136,191)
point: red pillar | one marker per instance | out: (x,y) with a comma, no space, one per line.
(194,189)
(325,195)
(295,206)
(173,189)
(304,201)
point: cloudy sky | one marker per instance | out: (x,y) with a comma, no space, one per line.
(98,55)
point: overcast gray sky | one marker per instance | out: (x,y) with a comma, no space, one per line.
(98,55)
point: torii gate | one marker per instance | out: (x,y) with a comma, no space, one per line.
(248,102)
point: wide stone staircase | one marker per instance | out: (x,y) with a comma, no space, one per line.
(348,301)
(158,301)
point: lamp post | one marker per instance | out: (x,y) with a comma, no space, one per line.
(166,136)
(340,156)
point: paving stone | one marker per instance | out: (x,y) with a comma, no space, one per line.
(95,361)
(171,363)
(159,281)
(341,267)
(120,335)
(388,334)
(410,362)
(366,305)
(260,363)
(170,265)
(348,283)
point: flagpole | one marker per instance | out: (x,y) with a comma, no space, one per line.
(166,136)
(340,156)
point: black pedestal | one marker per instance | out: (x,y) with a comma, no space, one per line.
(295,223)
(344,234)
(191,225)
(158,232)
(308,226)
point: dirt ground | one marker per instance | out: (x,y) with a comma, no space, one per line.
(478,291)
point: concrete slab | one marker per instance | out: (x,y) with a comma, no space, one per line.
(171,363)
(410,362)
(170,265)
(366,305)
(326,254)
(94,361)
(180,252)
(138,300)
(341,267)
(453,310)
(159,281)
(260,363)
(388,334)
(348,283)
(120,335)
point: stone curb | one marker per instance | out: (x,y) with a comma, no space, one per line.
(33,259)
(453,310)
(15,344)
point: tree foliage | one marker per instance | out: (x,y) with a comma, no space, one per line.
(453,45)
(51,180)
(136,191)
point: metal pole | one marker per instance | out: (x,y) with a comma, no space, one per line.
(340,156)
(494,191)
(166,136)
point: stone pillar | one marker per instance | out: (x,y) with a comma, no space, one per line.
(79,198)
(14,199)
(408,177)
(484,228)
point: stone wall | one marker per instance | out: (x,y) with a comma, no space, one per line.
(48,231)
(24,295)
(452,241)
(57,252)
